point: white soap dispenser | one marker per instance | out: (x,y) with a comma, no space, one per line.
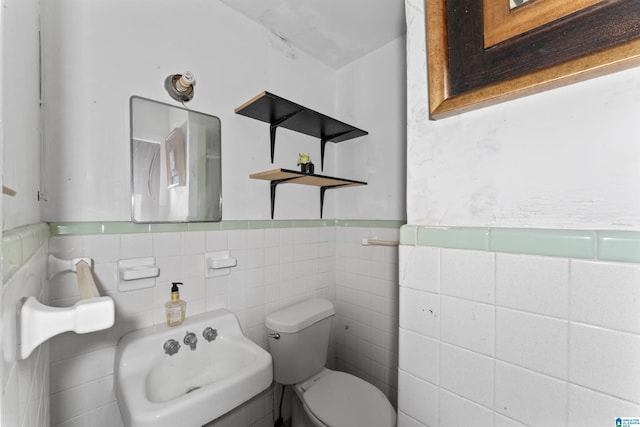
(175,309)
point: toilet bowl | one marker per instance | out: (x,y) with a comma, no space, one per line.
(337,399)
(298,340)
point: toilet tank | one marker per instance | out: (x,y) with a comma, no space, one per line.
(298,339)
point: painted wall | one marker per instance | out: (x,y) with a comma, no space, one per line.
(25,383)
(372,90)
(565,158)
(92,70)
(21,112)
(516,339)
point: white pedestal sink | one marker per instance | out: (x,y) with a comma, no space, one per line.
(194,385)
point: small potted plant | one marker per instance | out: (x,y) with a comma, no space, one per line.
(304,161)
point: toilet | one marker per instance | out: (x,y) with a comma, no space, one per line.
(298,340)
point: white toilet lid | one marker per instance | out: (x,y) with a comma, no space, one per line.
(343,400)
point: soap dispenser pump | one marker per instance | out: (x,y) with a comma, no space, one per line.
(175,309)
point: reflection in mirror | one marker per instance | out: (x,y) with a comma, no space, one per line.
(175,163)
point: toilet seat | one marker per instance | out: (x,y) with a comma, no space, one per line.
(338,399)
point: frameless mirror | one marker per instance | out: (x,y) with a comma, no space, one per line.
(175,163)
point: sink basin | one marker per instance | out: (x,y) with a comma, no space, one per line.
(192,386)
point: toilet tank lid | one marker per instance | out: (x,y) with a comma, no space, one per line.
(299,316)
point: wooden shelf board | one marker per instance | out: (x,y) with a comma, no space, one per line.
(295,177)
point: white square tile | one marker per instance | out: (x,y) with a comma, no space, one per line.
(606,294)
(529,397)
(76,371)
(255,296)
(271,237)
(68,404)
(456,411)
(468,274)
(99,392)
(136,245)
(418,399)
(105,416)
(605,360)
(255,277)
(467,324)
(192,266)
(255,238)
(419,312)
(237,280)
(10,399)
(420,268)
(406,421)
(216,241)
(237,239)
(193,242)
(419,356)
(139,300)
(170,268)
(530,283)
(166,244)
(255,258)
(587,407)
(106,276)
(102,247)
(467,374)
(192,290)
(288,236)
(502,421)
(532,341)
(255,316)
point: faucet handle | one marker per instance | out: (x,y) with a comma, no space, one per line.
(209,333)
(191,340)
(171,347)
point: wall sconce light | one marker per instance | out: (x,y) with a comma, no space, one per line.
(180,86)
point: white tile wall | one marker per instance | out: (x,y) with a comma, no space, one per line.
(276,267)
(366,323)
(468,324)
(25,388)
(532,341)
(456,411)
(558,345)
(467,374)
(468,274)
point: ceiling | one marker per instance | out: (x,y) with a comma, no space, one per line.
(336,32)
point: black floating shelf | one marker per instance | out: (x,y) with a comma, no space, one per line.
(280,112)
(287,176)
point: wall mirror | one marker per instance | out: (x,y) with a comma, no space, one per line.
(175,163)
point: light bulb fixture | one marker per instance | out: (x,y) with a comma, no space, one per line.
(180,86)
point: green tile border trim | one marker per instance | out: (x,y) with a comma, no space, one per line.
(124,227)
(605,245)
(19,245)
(456,238)
(619,246)
(368,223)
(561,243)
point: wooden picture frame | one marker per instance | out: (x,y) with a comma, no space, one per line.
(465,75)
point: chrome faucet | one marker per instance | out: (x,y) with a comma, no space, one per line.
(171,347)
(209,333)
(191,340)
